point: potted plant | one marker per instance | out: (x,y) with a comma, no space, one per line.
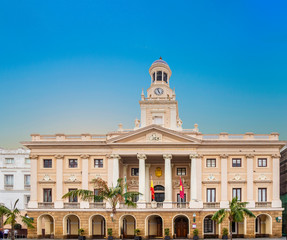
(110,234)
(81,233)
(195,234)
(224,233)
(166,234)
(137,232)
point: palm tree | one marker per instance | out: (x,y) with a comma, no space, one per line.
(236,212)
(11,216)
(113,195)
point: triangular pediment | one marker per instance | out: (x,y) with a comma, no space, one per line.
(154,134)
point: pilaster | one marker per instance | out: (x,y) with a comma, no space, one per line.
(276,202)
(250,184)
(195,181)
(59,181)
(224,200)
(85,178)
(33,203)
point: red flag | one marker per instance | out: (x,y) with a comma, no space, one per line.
(181,189)
(152,189)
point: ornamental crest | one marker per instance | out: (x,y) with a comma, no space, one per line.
(237,177)
(211,177)
(46,178)
(154,137)
(72,178)
(158,172)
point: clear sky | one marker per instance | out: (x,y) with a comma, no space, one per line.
(79,66)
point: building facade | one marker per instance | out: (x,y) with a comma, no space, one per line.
(283,187)
(213,168)
(15,177)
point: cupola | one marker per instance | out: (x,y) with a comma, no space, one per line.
(160,72)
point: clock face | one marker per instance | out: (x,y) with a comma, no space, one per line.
(158,91)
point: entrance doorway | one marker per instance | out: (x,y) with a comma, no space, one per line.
(181,227)
(98,226)
(128,227)
(155,227)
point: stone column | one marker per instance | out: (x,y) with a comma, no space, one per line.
(59,181)
(224,203)
(195,181)
(33,203)
(147,183)
(142,179)
(276,202)
(115,158)
(250,183)
(167,181)
(85,178)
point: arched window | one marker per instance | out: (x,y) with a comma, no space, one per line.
(159,188)
(153,77)
(159,76)
(165,77)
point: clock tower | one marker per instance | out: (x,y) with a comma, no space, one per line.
(159,106)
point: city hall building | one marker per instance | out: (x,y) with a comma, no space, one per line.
(213,168)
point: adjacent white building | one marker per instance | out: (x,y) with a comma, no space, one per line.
(14,177)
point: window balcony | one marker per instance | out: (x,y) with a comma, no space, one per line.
(212,205)
(98,205)
(27,186)
(46,205)
(72,205)
(8,186)
(263,204)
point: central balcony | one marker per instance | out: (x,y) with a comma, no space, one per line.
(212,205)
(72,205)
(46,205)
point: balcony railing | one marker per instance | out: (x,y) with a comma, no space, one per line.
(46,205)
(263,204)
(8,186)
(124,206)
(154,205)
(73,205)
(211,205)
(27,186)
(180,205)
(98,205)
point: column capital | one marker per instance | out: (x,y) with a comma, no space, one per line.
(141,156)
(113,156)
(195,155)
(275,155)
(84,156)
(167,156)
(59,156)
(34,156)
(224,155)
(250,155)
(147,165)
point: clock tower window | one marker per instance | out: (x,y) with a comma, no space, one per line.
(159,76)
(153,77)
(165,77)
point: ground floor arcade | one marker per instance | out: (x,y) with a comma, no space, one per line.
(65,224)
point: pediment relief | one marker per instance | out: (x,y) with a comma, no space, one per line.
(154,134)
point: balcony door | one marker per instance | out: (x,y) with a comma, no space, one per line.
(159,193)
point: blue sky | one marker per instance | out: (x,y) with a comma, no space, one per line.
(79,66)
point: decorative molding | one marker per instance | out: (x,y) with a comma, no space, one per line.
(46,178)
(33,156)
(224,155)
(211,177)
(84,156)
(141,156)
(167,156)
(249,155)
(275,155)
(193,155)
(185,183)
(113,156)
(237,179)
(211,182)
(133,183)
(59,156)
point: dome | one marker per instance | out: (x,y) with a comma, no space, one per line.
(160,61)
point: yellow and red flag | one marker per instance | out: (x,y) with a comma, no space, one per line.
(152,189)
(181,190)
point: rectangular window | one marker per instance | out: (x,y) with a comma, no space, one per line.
(181,200)
(98,163)
(9,180)
(73,163)
(236,192)
(211,162)
(47,195)
(75,198)
(159,75)
(236,162)
(181,171)
(27,180)
(262,162)
(27,160)
(9,160)
(47,163)
(262,194)
(165,77)
(211,195)
(153,77)
(96,193)
(134,171)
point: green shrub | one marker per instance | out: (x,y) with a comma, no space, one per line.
(166,231)
(80,231)
(110,231)
(137,231)
(195,232)
(224,232)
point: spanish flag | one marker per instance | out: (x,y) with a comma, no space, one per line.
(181,190)
(152,189)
